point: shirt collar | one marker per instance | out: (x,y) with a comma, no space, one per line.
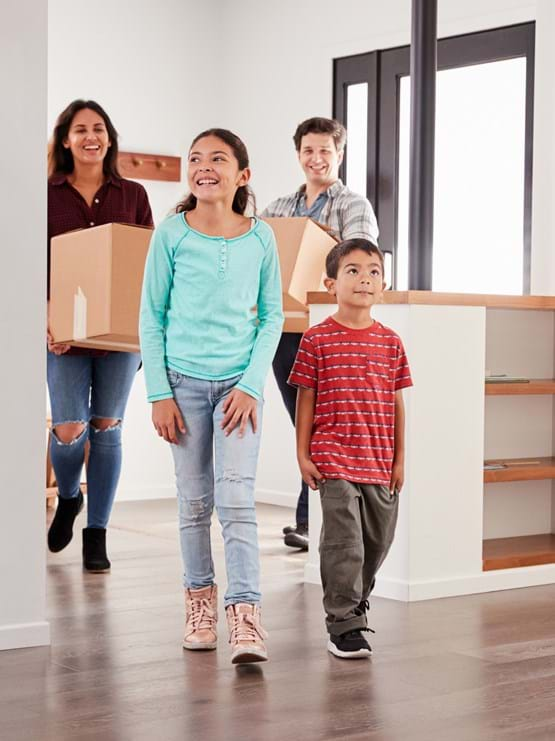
(333,190)
(61,178)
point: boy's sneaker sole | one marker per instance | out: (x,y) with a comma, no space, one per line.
(362,653)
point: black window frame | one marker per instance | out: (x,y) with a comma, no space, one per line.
(382,71)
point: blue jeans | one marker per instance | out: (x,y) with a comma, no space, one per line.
(282,364)
(83,387)
(212,469)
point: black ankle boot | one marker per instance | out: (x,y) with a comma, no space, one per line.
(61,529)
(94,550)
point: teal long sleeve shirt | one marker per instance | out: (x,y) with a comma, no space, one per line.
(211,308)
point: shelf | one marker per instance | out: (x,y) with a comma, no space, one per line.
(518,470)
(534,386)
(433,298)
(510,553)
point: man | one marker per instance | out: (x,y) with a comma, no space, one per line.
(320,145)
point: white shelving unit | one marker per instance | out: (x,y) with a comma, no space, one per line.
(455,532)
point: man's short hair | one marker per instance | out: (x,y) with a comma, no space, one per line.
(319,125)
(341,250)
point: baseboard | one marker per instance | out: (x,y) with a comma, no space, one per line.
(143,493)
(488,581)
(312,573)
(24,635)
(279,498)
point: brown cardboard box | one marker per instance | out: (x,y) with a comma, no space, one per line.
(96,279)
(303,245)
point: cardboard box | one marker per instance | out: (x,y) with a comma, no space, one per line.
(303,246)
(96,278)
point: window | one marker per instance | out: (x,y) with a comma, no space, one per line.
(483,161)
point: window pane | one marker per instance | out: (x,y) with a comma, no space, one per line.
(479,179)
(357,114)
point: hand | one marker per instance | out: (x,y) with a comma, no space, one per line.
(397,477)
(238,408)
(311,475)
(58,348)
(167,419)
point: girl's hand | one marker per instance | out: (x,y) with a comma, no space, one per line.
(58,348)
(167,420)
(397,477)
(311,475)
(238,408)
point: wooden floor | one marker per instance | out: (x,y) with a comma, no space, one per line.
(462,669)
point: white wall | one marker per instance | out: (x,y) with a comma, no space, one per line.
(154,69)
(22,322)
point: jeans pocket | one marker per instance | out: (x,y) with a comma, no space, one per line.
(332,489)
(174,378)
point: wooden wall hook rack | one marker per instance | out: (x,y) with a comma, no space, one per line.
(149,166)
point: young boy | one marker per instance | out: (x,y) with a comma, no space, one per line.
(349,371)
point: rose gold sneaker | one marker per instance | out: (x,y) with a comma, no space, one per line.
(246,635)
(201,614)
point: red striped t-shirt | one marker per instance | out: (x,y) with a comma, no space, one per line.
(355,373)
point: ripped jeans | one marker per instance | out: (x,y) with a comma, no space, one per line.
(82,388)
(212,469)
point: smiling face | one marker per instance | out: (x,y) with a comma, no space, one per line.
(319,159)
(359,283)
(213,171)
(87,138)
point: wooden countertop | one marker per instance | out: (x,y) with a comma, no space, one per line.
(432,298)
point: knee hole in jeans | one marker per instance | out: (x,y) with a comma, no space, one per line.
(101,424)
(68,433)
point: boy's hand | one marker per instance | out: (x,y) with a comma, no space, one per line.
(167,419)
(397,477)
(311,475)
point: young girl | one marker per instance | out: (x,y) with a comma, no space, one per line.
(211,318)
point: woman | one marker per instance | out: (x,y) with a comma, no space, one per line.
(88,388)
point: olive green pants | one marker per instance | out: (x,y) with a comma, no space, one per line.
(358,524)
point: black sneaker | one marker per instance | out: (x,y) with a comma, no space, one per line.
(351,645)
(298,538)
(289,529)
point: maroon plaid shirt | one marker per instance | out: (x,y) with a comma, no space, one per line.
(117,200)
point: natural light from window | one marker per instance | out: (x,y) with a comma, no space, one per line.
(479,179)
(357,107)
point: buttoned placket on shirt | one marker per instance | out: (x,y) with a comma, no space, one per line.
(92,210)
(222,262)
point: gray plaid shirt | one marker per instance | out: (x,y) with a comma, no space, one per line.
(347,214)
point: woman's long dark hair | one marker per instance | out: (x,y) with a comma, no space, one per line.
(60,159)
(244,195)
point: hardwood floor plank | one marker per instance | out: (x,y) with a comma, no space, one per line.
(477,668)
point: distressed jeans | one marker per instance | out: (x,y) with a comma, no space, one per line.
(214,470)
(84,387)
